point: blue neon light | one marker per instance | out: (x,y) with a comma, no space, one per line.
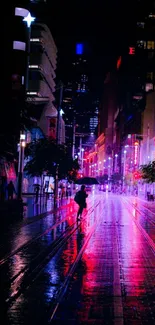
(79,48)
(130,117)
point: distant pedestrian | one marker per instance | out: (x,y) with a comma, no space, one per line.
(80,199)
(11,190)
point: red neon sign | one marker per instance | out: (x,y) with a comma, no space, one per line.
(131,50)
(136,175)
(136,153)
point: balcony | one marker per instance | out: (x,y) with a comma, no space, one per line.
(41,61)
(42,33)
(40,89)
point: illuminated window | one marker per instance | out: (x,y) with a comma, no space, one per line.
(150,45)
(21,12)
(141,44)
(17,45)
(151,15)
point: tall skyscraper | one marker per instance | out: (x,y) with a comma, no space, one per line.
(78,104)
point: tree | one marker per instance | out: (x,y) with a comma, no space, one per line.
(44,156)
(148,172)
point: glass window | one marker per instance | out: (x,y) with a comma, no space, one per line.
(151,15)
(150,45)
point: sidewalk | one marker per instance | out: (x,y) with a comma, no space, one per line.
(34,211)
(28,211)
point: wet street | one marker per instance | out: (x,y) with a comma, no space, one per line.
(100,270)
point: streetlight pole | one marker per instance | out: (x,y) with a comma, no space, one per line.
(21,164)
(58,141)
(80,148)
(82,152)
(74,130)
(124,166)
(148,142)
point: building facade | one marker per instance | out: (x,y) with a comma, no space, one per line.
(41,84)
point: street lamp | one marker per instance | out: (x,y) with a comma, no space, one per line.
(29,20)
(22,145)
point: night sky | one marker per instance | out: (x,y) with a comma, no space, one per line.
(106,26)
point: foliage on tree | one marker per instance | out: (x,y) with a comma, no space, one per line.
(148,172)
(43,157)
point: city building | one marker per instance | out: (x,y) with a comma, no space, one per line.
(135,76)
(33,71)
(41,84)
(147,145)
(108,111)
(33,77)
(81,110)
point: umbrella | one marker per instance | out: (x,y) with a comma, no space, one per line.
(87,181)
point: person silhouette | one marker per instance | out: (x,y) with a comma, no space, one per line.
(11,190)
(82,195)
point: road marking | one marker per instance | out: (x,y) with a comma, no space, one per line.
(65,285)
(118,304)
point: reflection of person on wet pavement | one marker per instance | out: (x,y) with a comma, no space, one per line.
(11,190)
(82,195)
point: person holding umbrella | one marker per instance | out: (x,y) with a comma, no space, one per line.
(80,199)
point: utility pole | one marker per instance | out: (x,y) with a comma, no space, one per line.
(58,141)
(74,130)
(80,148)
(148,143)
